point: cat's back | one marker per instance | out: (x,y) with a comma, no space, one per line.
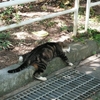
(47,45)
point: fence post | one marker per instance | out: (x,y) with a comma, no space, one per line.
(76,17)
(87,14)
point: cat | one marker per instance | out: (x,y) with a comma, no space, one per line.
(41,55)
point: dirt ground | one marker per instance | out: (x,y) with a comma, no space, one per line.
(23,39)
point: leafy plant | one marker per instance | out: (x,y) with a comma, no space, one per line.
(65,3)
(63,28)
(94,34)
(91,34)
(4,41)
(81,10)
(81,27)
(4,36)
(62,5)
(51,23)
(92,12)
(17,17)
(98,18)
(8,14)
(47,23)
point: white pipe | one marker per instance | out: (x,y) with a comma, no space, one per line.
(76,17)
(95,3)
(87,14)
(37,19)
(15,2)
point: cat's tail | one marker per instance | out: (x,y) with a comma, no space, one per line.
(21,67)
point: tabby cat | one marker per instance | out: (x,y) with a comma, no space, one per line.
(41,55)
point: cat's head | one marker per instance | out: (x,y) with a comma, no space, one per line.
(65,45)
(66,49)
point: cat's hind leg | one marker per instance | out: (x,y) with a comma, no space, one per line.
(39,70)
(38,76)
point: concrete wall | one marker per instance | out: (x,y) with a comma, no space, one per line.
(10,82)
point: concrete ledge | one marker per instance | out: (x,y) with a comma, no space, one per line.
(10,82)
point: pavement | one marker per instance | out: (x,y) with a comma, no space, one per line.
(90,65)
(9,83)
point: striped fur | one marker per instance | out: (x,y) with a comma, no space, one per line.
(41,55)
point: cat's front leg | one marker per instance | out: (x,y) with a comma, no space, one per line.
(64,58)
(69,63)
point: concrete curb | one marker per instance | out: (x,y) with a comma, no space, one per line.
(10,82)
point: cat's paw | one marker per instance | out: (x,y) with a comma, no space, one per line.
(41,78)
(71,64)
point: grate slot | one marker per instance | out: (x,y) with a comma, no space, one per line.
(69,85)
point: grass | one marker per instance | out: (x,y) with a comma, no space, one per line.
(8,14)
(4,41)
(63,28)
(92,34)
(47,23)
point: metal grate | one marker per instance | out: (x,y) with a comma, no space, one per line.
(69,85)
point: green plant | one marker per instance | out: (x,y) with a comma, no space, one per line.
(5,44)
(79,38)
(92,34)
(4,36)
(81,27)
(81,10)
(51,23)
(4,41)
(98,18)
(92,12)
(8,11)
(63,28)
(65,3)
(47,23)
(62,5)
(17,17)
(8,14)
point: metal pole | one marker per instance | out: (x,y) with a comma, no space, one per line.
(15,2)
(36,19)
(76,17)
(87,14)
(95,3)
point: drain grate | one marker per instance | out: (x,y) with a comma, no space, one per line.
(69,85)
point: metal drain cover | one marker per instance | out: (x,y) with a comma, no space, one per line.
(69,85)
